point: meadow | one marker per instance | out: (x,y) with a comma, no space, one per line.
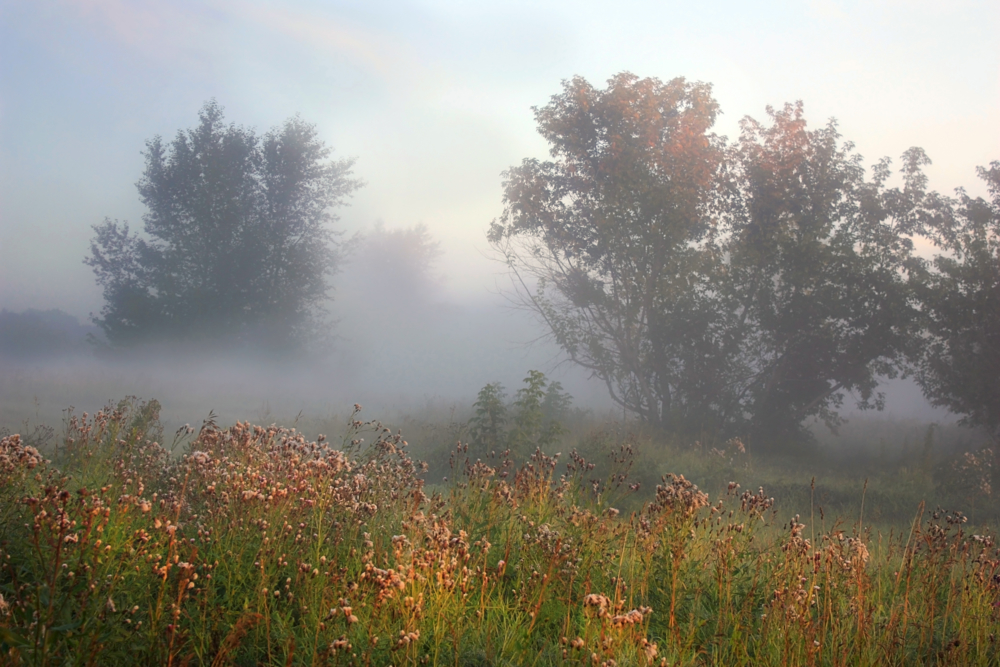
(251,544)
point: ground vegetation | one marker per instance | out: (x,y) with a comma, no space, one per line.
(258,545)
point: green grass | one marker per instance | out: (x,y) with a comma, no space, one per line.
(259,545)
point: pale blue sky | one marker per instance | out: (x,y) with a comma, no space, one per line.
(434,98)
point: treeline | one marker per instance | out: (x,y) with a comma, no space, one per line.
(717,288)
(39,334)
(741,288)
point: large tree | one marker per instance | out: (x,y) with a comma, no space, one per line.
(238,243)
(960,295)
(818,261)
(609,243)
(733,290)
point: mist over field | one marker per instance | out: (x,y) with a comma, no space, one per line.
(433,100)
(394,352)
(404,345)
(403,341)
(430,332)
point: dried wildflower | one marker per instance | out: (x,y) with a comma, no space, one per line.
(649,648)
(678,494)
(15,456)
(633,617)
(200,458)
(599,603)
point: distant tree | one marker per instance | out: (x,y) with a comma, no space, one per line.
(238,241)
(557,403)
(609,243)
(817,261)
(960,295)
(533,420)
(528,431)
(396,266)
(35,334)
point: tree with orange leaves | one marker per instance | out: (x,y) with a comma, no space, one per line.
(611,246)
(819,259)
(716,289)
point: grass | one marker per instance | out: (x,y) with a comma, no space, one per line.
(258,545)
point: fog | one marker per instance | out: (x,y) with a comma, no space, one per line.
(434,101)
(401,341)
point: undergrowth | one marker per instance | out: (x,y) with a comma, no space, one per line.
(257,545)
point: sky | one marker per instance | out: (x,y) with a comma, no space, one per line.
(433,98)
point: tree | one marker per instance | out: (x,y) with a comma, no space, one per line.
(488,427)
(38,334)
(238,241)
(960,297)
(609,243)
(532,427)
(532,421)
(818,260)
(397,268)
(717,290)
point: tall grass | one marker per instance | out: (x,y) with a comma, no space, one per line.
(259,546)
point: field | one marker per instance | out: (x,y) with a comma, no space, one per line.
(254,544)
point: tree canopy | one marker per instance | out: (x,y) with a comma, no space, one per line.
(960,294)
(817,260)
(723,289)
(238,243)
(607,240)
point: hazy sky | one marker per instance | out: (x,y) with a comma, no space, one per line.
(434,98)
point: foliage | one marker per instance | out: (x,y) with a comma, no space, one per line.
(960,294)
(960,367)
(818,259)
(533,428)
(606,241)
(532,421)
(488,426)
(717,290)
(258,546)
(238,241)
(556,404)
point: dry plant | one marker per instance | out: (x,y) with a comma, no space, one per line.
(259,546)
